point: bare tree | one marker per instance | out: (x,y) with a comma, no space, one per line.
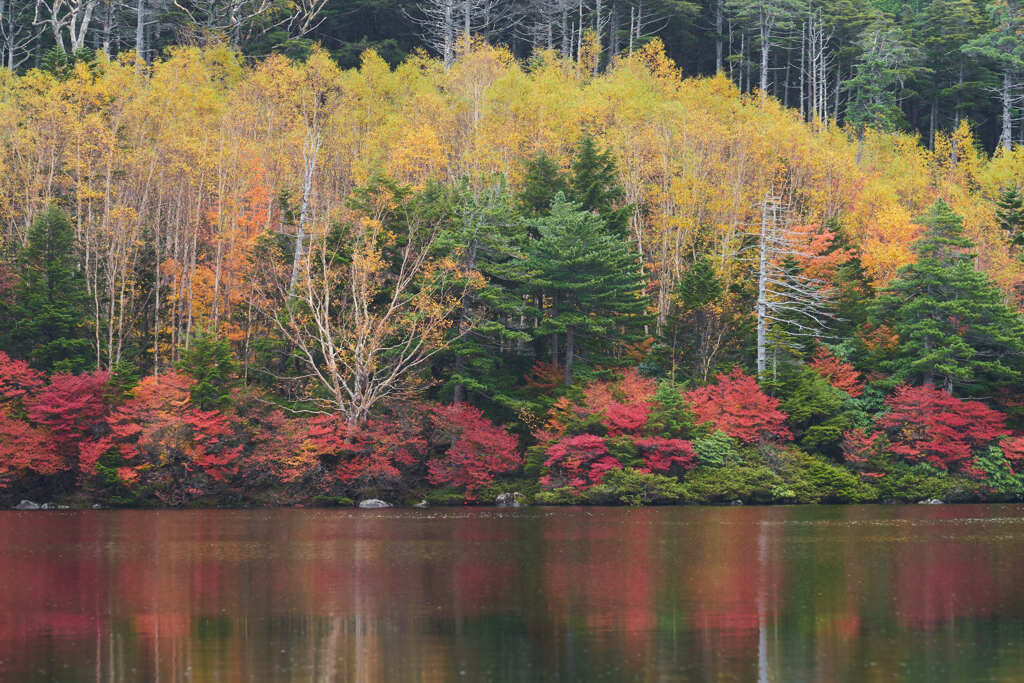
(366,314)
(17,32)
(70,16)
(788,303)
(233,17)
(769,19)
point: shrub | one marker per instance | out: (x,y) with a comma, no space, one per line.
(634,487)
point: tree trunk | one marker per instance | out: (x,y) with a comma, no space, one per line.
(762,293)
(140,29)
(569,336)
(1006,137)
(719,16)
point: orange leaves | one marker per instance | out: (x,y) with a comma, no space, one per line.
(838,372)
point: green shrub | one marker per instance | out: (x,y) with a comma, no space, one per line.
(751,484)
(813,480)
(563,496)
(716,449)
(445,497)
(332,502)
(633,487)
(911,483)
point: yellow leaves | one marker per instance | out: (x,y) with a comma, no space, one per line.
(887,246)
(417,156)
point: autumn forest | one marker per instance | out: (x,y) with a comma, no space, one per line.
(585,277)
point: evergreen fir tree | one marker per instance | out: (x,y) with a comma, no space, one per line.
(210,362)
(954,329)
(485,231)
(595,187)
(47,319)
(1010,216)
(544,179)
(592,281)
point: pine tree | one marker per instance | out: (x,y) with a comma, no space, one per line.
(592,281)
(594,185)
(544,179)
(485,232)
(47,318)
(1010,216)
(954,329)
(209,361)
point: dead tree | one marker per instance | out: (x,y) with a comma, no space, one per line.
(788,303)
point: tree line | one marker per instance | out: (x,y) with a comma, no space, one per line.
(917,66)
(284,280)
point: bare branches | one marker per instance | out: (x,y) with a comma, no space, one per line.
(795,305)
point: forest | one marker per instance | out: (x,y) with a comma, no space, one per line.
(586,277)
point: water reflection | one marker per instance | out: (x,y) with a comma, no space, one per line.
(770,594)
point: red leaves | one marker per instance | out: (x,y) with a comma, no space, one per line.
(929,425)
(74,408)
(664,455)
(838,372)
(738,407)
(580,462)
(18,379)
(478,449)
(25,448)
(370,452)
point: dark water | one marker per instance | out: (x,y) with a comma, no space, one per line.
(881,593)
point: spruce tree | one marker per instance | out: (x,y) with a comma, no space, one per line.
(47,318)
(1010,216)
(592,282)
(954,329)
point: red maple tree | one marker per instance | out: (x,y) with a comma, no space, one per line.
(24,448)
(664,456)
(74,408)
(477,451)
(738,407)
(928,425)
(372,452)
(17,379)
(579,461)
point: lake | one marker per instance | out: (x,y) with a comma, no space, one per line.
(812,593)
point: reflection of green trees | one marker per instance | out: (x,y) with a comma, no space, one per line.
(794,593)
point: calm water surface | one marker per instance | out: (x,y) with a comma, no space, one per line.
(879,593)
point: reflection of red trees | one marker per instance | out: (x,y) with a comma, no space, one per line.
(939,581)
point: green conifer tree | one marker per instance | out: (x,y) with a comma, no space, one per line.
(954,329)
(46,322)
(592,281)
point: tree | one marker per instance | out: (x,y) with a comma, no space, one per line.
(838,372)
(373,302)
(1010,217)
(484,232)
(592,280)
(369,455)
(47,323)
(477,450)
(885,61)
(954,329)
(74,409)
(210,362)
(1003,46)
(789,302)
(768,18)
(579,461)
(734,404)
(928,425)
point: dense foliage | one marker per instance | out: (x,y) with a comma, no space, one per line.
(285,283)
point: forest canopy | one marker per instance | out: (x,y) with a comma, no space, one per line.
(282,278)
